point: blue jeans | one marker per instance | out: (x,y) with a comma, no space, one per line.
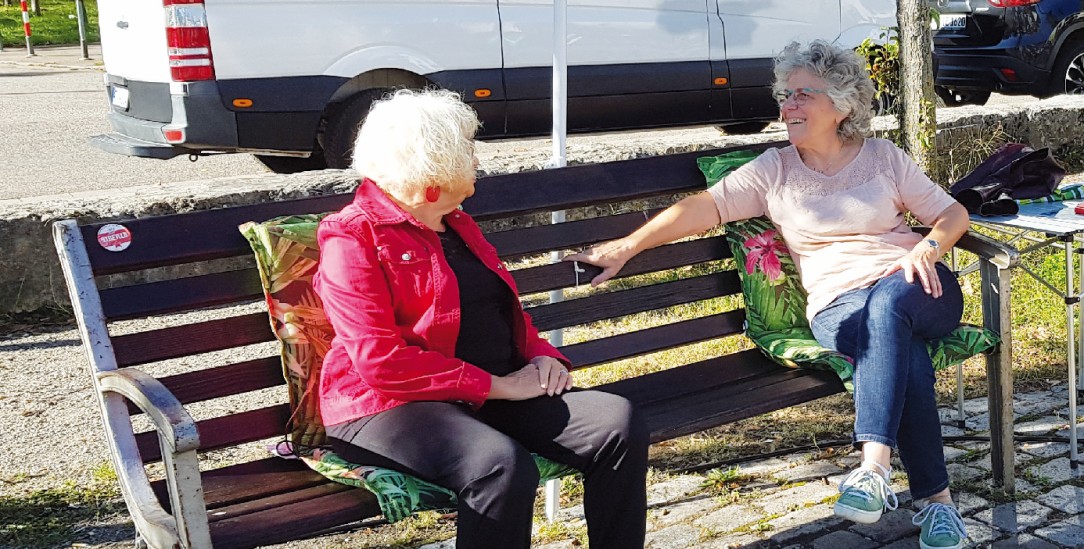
(884,328)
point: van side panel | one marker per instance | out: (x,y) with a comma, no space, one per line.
(277,38)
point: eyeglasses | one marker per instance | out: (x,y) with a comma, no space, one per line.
(801,96)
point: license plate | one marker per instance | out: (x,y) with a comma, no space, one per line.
(952,21)
(119,97)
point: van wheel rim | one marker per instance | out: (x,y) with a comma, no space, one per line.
(1074,76)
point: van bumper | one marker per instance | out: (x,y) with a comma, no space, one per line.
(154,108)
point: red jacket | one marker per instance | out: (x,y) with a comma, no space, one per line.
(394,303)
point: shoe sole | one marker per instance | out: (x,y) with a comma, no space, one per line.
(924,546)
(860,516)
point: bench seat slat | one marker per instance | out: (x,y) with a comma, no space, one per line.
(658,338)
(225,431)
(783,388)
(295,521)
(561,275)
(181,294)
(220,381)
(191,339)
(251,480)
(568,235)
(645,298)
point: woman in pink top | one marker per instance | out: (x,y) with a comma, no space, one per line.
(435,369)
(877,291)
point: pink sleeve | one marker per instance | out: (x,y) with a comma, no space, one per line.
(922,197)
(743,193)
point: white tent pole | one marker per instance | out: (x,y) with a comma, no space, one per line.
(558,160)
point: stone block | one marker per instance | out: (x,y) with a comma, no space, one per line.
(1023,541)
(797,497)
(1040,426)
(1064,534)
(729,518)
(679,536)
(1045,449)
(677,513)
(1014,517)
(803,523)
(1055,470)
(808,472)
(1068,499)
(843,539)
(674,489)
(892,526)
(969,503)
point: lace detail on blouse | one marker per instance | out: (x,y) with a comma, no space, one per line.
(799,178)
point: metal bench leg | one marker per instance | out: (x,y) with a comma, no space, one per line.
(553,498)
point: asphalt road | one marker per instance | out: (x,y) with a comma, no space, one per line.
(47,114)
(46,117)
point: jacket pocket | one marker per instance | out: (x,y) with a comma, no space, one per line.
(408,268)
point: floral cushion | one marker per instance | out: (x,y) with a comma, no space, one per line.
(287,256)
(775,301)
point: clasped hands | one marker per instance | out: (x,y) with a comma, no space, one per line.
(543,375)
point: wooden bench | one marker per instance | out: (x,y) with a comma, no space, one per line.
(157,367)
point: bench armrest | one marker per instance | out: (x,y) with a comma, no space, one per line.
(187,526)
(988,249)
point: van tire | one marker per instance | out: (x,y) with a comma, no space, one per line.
(293,164)
(744,128)
(342,128)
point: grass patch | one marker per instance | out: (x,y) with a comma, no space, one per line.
(56,24)
(46,518)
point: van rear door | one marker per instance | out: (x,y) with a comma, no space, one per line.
(134,39)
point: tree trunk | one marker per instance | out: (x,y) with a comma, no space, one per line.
(918,122)
(35,6)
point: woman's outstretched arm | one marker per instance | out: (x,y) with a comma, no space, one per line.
(692,215)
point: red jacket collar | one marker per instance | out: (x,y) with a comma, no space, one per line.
(374,204)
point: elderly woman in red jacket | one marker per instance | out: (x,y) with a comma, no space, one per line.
(435,369)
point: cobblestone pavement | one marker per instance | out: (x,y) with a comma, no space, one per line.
(786,502)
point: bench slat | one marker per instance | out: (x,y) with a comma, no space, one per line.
(231,379)
(193,236)
(299,520)
(645,298)
(658,338)
(561,275)
(252,480)
(190,339)
(181,294)
(754,397)
(225,431)
(568,235)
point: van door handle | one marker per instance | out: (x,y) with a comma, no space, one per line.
(122,24)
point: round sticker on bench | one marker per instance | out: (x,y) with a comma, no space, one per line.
(115,238)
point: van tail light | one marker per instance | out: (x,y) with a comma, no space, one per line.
(188,41)
(1012,3)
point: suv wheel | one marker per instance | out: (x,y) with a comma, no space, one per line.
(1068,73)
(955,98)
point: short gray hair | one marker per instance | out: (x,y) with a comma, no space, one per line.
(849,85)
(414,139)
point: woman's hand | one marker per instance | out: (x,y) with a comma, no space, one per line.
(611,256)
(521,384)
(552,375)
(920,262)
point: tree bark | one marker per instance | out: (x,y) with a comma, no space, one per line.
(918,122)
(35,6)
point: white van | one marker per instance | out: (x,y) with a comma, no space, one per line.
(290,80)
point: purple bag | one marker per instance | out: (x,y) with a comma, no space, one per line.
(1015,171)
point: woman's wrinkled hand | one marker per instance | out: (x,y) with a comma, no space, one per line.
(552,375)
(521,384)
(611,256)
(920,263)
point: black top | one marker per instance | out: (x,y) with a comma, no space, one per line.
(485,302)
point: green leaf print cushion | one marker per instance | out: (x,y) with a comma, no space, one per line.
(775,301)
(287,256)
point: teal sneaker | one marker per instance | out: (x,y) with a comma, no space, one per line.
(942,527)
(864,496)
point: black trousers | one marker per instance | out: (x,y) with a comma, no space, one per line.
(484,457)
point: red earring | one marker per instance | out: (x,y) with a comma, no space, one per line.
(432,194)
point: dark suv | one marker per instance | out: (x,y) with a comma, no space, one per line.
(1016,47)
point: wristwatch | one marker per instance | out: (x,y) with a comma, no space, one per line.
(932,243)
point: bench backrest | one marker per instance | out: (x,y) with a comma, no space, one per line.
(175,349)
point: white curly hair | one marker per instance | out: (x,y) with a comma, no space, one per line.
(413,139)
(848,82)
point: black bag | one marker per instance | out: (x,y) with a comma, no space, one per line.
(1015,171)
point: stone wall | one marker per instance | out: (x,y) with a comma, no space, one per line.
(30,276)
